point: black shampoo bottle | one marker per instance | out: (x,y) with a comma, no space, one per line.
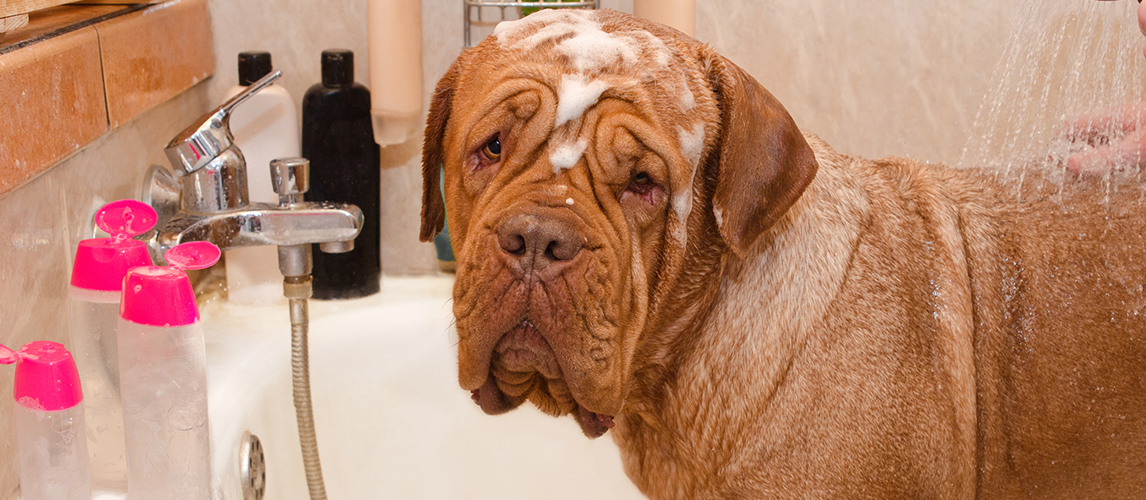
(338,140)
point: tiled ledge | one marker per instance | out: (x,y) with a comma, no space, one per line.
(60,92)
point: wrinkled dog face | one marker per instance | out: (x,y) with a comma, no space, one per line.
(571,143)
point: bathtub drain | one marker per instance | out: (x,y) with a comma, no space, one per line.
(252,467)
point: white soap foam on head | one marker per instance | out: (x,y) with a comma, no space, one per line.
(691,147)
(553,32)
(692,143)
(559,19)
(592,49)
(574,96)
(567,155)
(586,45)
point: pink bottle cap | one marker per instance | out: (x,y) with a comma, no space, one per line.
(162,296)
(46,376)
(101,263)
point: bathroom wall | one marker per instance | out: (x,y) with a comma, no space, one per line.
(887,77)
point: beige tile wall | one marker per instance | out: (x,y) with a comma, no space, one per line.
(873,78)
(884,77)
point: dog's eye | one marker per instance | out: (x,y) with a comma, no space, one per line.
(641,179)
(492,149)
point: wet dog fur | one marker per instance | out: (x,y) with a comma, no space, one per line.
(657,250)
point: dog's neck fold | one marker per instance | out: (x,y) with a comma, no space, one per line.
(720,292)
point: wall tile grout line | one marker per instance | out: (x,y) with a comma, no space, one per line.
(103,79)
(128,8)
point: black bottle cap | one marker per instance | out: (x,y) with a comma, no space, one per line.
(252,66)
(337,68)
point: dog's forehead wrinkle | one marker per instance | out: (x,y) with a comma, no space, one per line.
(553,193)
(553,32)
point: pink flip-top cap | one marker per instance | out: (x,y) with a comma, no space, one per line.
(46,376)
(101,263)
(162,296)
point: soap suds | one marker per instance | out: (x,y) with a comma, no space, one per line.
(569,201)
(565,156)
(692,143)
(31,403)
(691,147)
(593,49)
(588,47)
(575,96)
(559,22)
(552,32)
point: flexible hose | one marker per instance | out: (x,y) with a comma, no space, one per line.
(300,369)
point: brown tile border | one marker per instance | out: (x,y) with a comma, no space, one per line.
(54,91)
(154,54)
(56,21)
(70,88)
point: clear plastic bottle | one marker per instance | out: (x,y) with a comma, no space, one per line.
(93,311)
(162,367)
(265,127)
(49,413)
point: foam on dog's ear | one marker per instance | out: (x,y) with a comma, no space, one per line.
(764,163)
(433,207)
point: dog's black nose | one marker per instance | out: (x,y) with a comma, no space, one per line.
(536,241)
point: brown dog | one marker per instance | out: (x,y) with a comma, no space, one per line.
(646,240)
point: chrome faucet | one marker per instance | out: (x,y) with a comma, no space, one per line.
(214,204)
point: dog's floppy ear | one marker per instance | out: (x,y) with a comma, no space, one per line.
(764,162)
(433,207)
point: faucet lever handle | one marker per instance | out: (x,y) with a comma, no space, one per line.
(210,135)
(251,90)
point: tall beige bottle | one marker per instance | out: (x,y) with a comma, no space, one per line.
(680,14)
(395,52)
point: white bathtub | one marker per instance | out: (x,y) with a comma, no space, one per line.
(390,417)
